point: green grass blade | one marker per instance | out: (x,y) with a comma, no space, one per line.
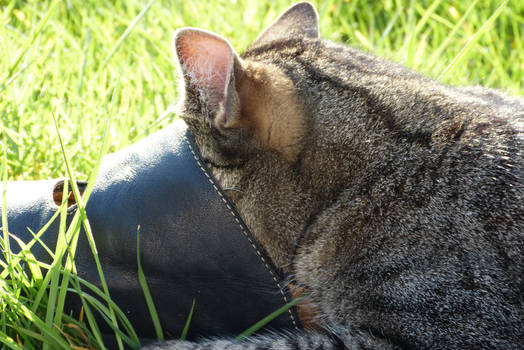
(30,333)
(127,32)
(15,76)
(5,231)
(47,279)
(28,257)
(49,331)
(65,272)
(9,342)
(84,60)
(254,328)
(36,236)
(147,294)
(36,239)
(104,146)
(427,14)
(462,54)
(105,312)
(389,27)
(30,41)
(120,314)
(89,234)
(183,336)
(89,314)
(54,309)
(436,55)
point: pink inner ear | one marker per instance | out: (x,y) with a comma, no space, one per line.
(205,60)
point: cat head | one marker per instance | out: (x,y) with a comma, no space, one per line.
(237,107)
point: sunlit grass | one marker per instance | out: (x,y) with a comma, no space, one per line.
(72,63)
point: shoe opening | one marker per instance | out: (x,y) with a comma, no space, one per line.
(58,192)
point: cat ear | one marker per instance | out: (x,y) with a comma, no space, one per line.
(252,102)
(208,65)
(300,20)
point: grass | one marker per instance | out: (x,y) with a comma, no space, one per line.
(88,62)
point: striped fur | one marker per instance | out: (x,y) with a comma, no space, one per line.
(396,201)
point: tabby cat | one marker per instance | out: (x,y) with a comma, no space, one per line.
(395,201)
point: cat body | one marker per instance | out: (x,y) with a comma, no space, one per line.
(395,201)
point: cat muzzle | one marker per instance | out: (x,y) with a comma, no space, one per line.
(194,245)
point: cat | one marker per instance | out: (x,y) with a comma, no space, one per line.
(395,201)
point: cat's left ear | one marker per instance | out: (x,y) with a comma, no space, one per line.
(251,104)
(209,65)
(300,20)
